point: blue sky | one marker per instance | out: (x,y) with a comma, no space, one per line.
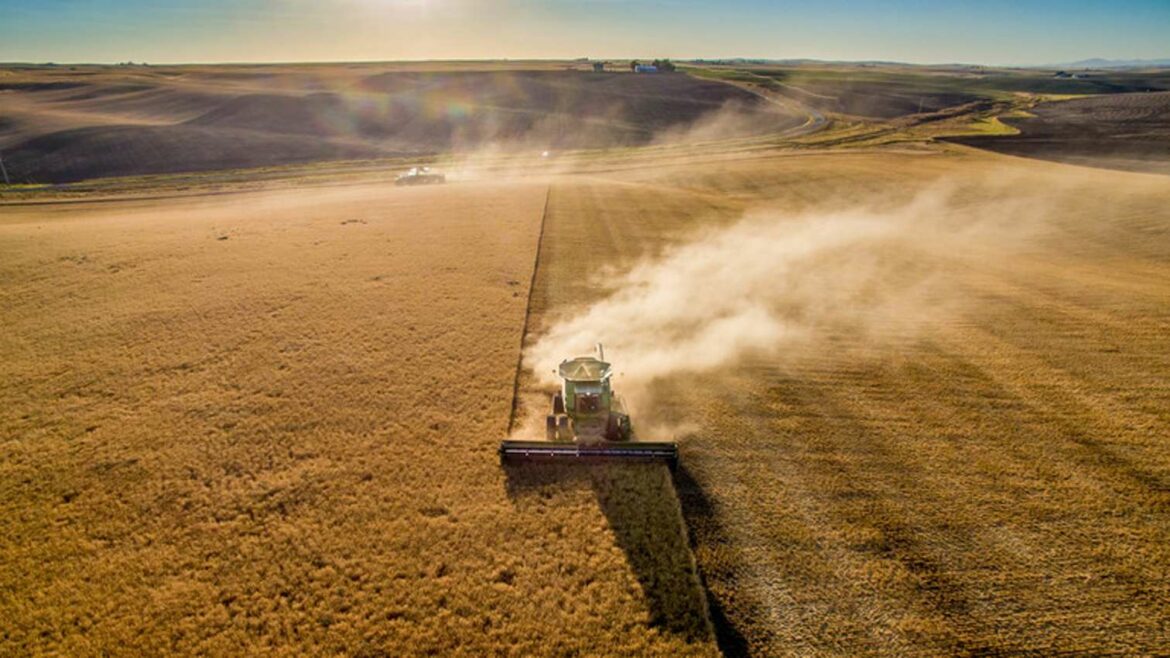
(987,32)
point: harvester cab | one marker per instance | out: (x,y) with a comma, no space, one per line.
(588,421)
(586,409)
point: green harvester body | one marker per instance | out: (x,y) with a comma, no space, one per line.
(588,421)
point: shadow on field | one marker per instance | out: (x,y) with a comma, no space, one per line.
(639,502)
(700,515)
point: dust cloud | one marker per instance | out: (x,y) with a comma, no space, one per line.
(561,144)
(733,120)
(775,285)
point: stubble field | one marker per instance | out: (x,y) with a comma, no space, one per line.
(980,472)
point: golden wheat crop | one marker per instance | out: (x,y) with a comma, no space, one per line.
(266,422)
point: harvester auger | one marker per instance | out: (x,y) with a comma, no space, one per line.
(588,422)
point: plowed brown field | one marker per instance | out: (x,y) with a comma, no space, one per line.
(1130,132)
(63,124)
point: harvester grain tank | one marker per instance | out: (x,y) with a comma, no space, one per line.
(588,421)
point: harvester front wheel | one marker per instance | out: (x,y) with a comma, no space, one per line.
(563,428)
(617,428)
(558,404)
(612,429)
(550,423)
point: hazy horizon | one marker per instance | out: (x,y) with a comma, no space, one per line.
(595,58)
(993,33)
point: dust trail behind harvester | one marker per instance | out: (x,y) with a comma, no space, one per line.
(562,143)
(778,285)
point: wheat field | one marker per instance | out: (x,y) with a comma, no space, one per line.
(266,422)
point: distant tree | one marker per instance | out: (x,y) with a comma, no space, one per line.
(634,65)
(665,65)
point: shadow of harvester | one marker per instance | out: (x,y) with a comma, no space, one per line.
(639,502)
(703,520)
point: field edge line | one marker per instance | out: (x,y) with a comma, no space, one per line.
(528,314)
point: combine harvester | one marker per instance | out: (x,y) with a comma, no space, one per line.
(588,422)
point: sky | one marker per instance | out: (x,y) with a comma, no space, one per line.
(993,32)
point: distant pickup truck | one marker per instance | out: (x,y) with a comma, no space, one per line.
(420,176)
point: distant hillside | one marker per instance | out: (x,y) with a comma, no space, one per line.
(1099,63)
(105,121)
